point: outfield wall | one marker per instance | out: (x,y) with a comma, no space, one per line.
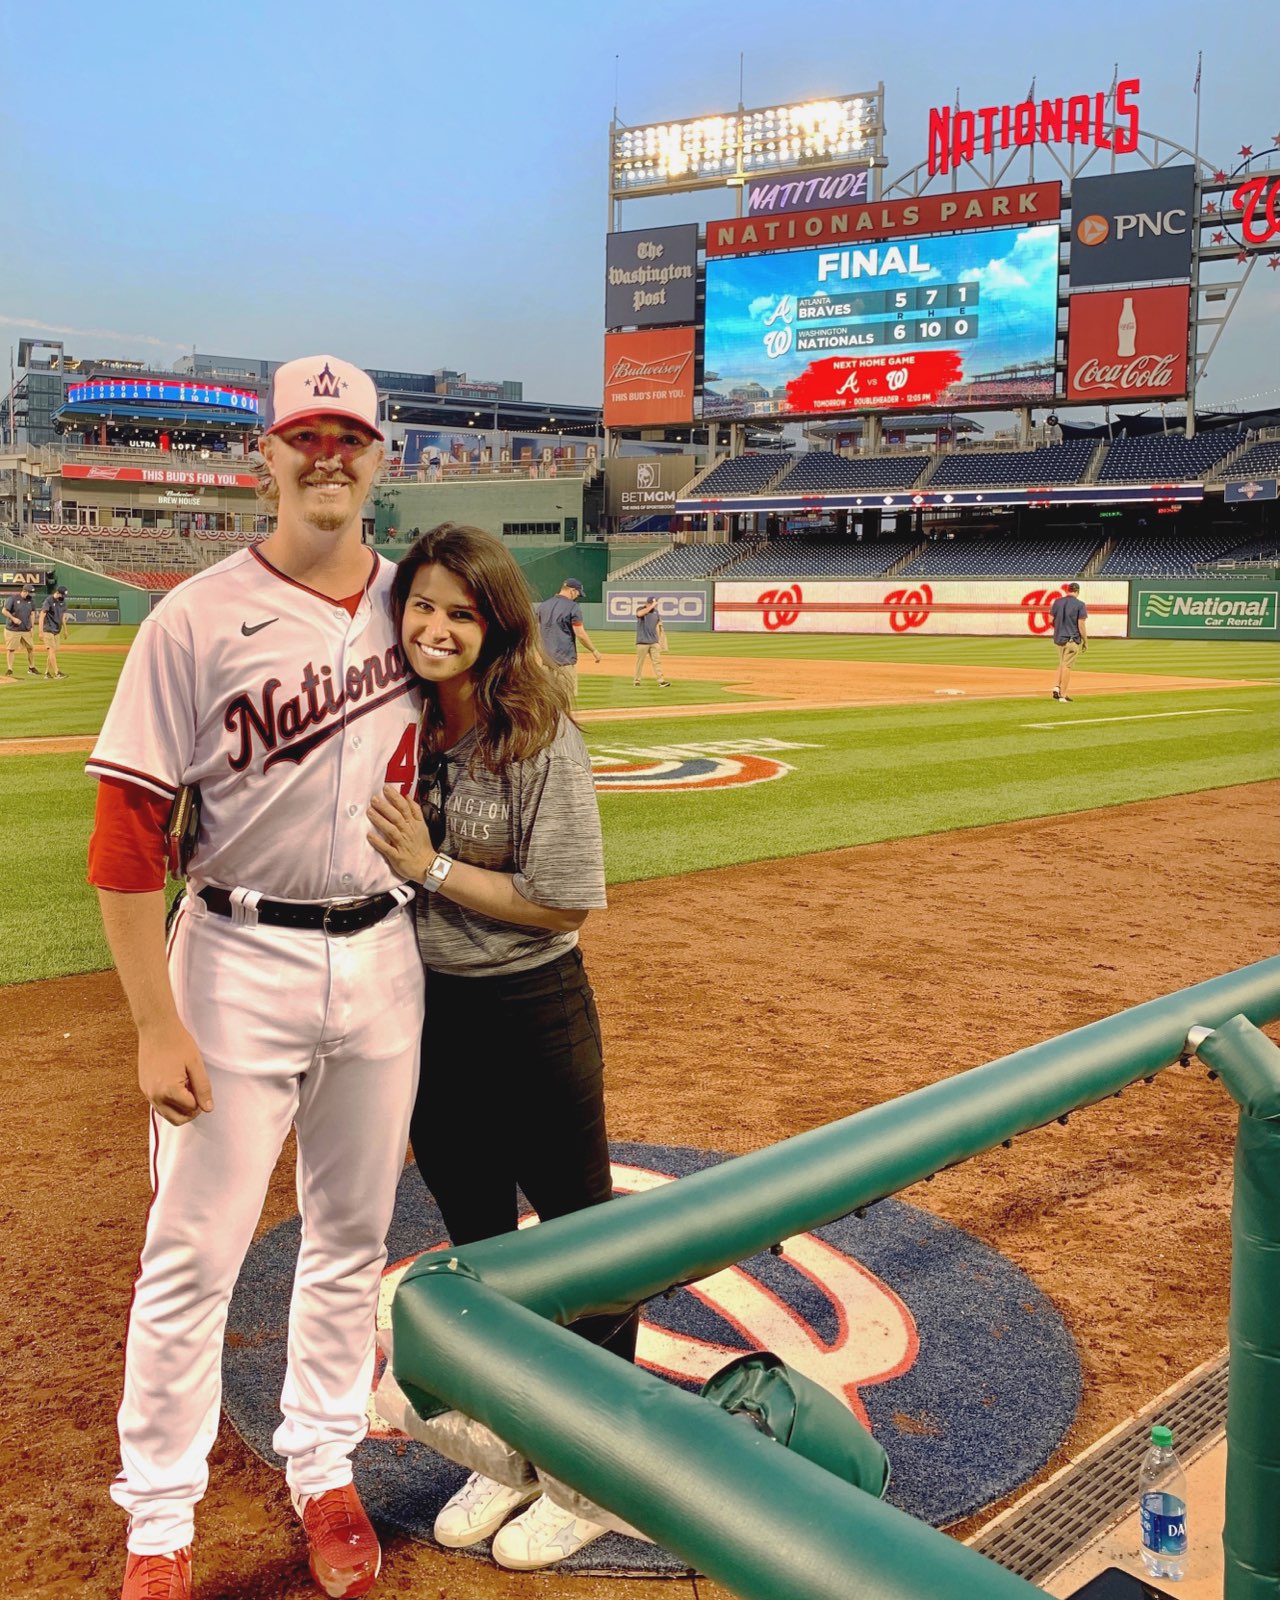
(1015,607)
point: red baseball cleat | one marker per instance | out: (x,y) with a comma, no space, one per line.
(344,1554)
(158,1577)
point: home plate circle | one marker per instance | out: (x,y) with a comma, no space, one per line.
(961,1368)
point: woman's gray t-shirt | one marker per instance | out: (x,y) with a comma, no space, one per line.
(537,819)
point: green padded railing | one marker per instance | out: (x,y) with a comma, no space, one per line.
(475,1330)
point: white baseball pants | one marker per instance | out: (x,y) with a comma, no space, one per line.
(302,1030)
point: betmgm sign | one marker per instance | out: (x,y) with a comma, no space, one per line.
(644,486)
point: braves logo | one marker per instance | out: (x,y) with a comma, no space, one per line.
(614,776)
(781,606)
(909,608)
(873,1337)
(1036,605)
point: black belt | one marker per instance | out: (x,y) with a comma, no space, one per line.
(341,917)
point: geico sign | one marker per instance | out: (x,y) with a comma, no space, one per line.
(671,607)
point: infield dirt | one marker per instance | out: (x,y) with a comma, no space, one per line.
(904,962)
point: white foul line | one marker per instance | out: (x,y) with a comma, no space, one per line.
(1140,716)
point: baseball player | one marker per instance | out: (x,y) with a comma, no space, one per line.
(53,622)
(18,611)
(291,995)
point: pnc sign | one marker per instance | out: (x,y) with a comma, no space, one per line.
(1132,227)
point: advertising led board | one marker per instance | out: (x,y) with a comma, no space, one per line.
(956,320)
(168,391)
(1025,203)
(1013,608)
(1128,345)
(1132,227)
(648,377)
(651,276)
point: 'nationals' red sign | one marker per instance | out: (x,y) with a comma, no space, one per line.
(163,475)
(956,136)
(1128,344)
(887,219)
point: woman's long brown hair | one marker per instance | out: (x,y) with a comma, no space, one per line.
(519,700)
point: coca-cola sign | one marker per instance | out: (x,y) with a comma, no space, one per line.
(1128,344)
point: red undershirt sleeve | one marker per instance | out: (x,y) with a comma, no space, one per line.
(127,848)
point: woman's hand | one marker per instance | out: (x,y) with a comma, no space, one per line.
(400,834)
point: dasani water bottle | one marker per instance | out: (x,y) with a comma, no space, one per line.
(1162,1508)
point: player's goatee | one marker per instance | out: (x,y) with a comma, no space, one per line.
(327,521)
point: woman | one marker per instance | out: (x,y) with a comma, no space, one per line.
(506,844)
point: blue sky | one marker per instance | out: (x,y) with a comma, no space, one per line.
(420,185)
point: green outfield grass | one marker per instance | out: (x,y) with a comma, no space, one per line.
(1180,658)
(859,775)
(33,708)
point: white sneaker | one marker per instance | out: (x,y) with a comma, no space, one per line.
(543,1535)
(478,1509)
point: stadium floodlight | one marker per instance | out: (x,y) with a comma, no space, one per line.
(735,146)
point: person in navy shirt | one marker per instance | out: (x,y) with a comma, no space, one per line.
(1068,613)
(561,627)
(19,609)
(53,623)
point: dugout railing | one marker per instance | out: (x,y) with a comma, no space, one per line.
(481,1331)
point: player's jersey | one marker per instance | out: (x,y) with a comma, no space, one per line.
(288,713)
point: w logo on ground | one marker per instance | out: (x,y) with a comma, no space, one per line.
(692,771)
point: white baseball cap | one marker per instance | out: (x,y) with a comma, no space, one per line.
(321,386)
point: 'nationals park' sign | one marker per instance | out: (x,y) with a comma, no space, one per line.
(888,219)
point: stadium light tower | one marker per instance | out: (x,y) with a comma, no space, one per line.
(730,149)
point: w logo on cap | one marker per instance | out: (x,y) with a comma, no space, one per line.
(327,386)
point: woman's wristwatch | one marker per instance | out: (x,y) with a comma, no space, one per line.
(437,872)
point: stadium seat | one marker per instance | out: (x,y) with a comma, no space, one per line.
(824,472)
(993,469)
(1261,460)
(1167,457)
(1165,556)
(1004,558)
(796,556)
(745,474)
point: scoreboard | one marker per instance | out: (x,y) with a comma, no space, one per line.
(958,319)
(913,316)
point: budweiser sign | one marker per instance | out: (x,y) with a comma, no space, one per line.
(648,376)
(957,136)
(668,369)
(1127,342)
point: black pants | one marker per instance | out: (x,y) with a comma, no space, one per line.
(512,1092)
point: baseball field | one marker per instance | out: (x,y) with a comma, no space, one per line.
(840,869)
